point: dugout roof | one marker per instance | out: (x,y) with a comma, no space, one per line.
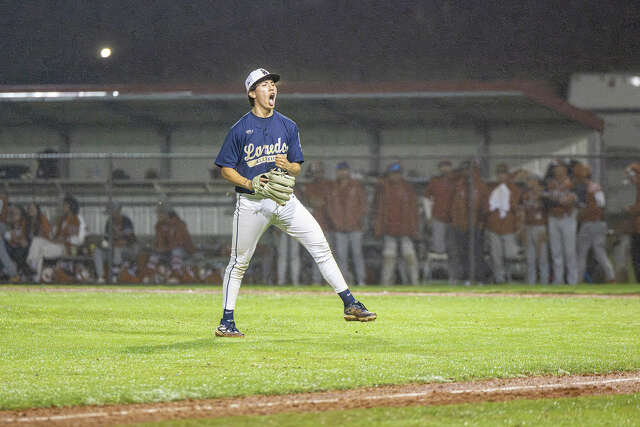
(379,104)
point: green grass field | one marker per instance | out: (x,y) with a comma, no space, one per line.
(95,348)
(584,411)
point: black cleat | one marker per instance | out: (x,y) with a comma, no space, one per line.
(227,328)
(358,312)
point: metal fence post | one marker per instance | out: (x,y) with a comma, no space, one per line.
(472,225)
(110,219)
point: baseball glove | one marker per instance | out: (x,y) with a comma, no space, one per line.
(278,187)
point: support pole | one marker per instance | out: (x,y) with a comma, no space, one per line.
(375,150)
(65,147)
(472,224)
(596,148)
(110,205)
(484,149)
(165,162)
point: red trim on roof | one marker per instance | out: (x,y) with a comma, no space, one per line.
(537,91)
(550,100)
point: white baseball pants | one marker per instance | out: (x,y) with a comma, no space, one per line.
(562,242)
(253,215)
(40,249)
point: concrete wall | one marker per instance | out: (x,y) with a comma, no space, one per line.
(27,140)
(622,131)
(328,144)
(605,91)
(332,145)
(616,98)
(534,141)
(206,141)
(409,142)
(103,140)
(622,137)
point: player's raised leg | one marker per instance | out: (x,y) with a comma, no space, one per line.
(297,221)
(250,220)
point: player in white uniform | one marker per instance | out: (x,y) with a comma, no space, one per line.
(261,141)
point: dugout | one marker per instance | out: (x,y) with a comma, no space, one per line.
(368,124)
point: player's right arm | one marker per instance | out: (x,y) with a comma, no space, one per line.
(235,178)
(230,156)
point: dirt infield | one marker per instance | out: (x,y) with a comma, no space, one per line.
(253,291)
(405,395)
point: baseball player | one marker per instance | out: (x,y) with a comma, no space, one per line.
(502,222)
(592,230)
(397,223)
(537,238)
(633,175)
(261,156)
(563,226)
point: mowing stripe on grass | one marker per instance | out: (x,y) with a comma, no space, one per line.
(250,291)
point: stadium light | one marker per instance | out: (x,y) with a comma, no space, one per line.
(105,52)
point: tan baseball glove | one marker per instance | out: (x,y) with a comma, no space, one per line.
(279,186)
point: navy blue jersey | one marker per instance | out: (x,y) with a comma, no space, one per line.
(253,142)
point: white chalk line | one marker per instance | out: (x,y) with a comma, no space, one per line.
(544,386)
(296,400)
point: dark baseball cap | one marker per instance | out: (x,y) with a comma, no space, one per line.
(342,166)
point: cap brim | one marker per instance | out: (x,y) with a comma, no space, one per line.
(274,77)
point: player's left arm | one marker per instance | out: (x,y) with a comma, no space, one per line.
(292,160)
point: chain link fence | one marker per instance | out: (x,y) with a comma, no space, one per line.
(389,220)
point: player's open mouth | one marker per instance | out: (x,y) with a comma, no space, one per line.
(272,99)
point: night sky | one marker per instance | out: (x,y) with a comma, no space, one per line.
(196,41)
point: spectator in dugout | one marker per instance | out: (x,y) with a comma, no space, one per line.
(502,222)
(633,172)
(9,268)
(537,239)
(561,201)
(172,244)
(440,191)
(68,234)
(347,206)
(397,223)
(592,232)
(315,194)
(17,239)
(37,222)
(464,202)
(125,245)
(25,225)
